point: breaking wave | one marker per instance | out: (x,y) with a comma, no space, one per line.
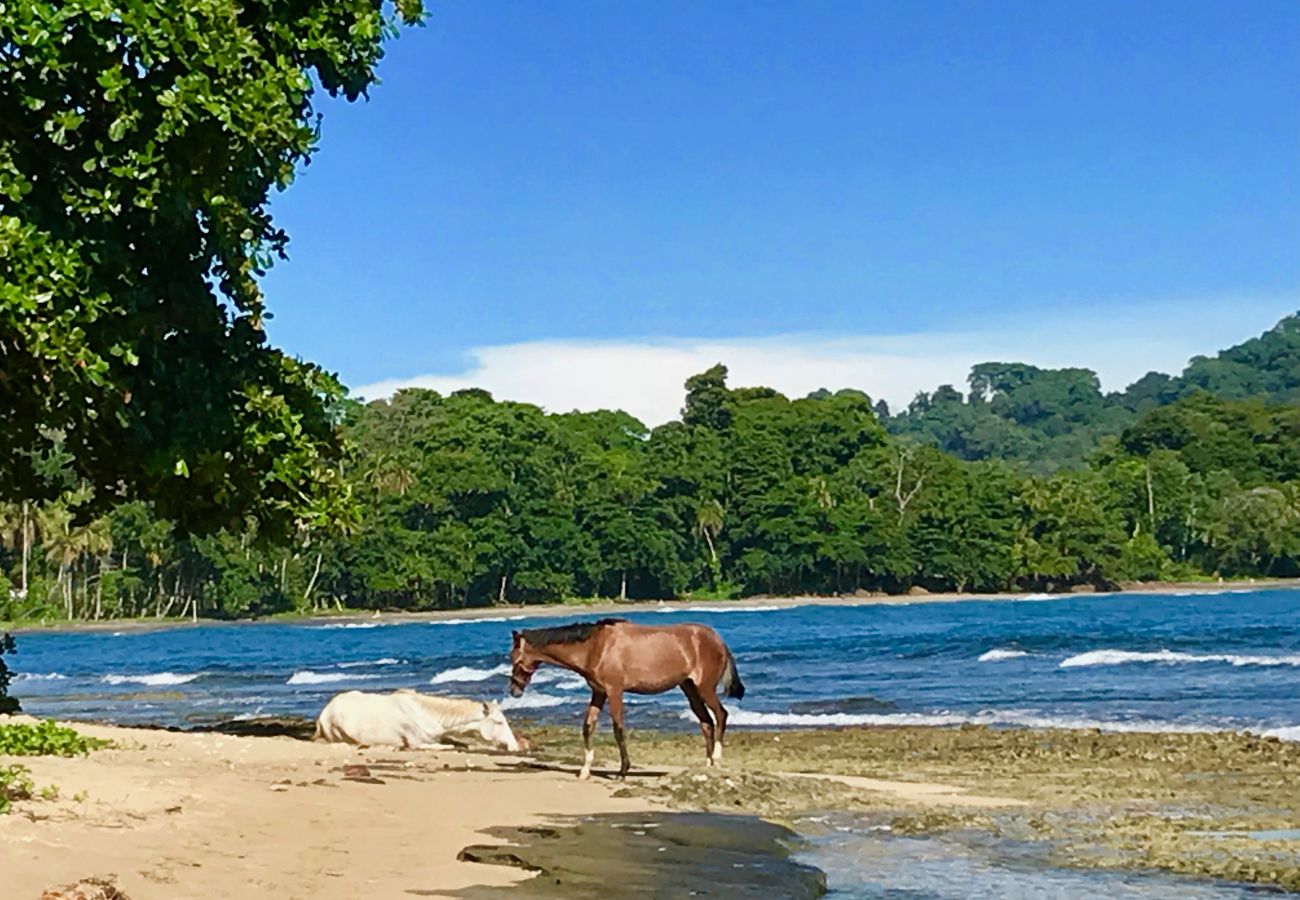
(725,609)
(39,676)
(468,673)
(562,679)
(1122,657)
(155,679)
(306,676)
(386,661)
(477,620)
(999,654)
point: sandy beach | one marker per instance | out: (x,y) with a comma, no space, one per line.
(196,815)
(180,815)
(614,607)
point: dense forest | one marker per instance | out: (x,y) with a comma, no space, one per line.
(1032,480)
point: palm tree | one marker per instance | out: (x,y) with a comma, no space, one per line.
(709,519)
(18,531)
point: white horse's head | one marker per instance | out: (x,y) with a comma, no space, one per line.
(494,728)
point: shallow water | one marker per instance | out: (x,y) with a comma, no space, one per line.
(1137,662)
(862,864)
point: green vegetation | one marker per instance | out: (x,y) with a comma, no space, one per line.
(466,501)
(1049,419)
(46,738)
(8,705)
(15,784)
(139,143)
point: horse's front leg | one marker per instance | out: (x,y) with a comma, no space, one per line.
(620,736)
(589,732)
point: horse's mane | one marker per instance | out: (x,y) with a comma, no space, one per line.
(573,633)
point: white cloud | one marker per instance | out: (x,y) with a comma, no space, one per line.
(645,377)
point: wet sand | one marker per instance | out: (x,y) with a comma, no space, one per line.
(1211,805)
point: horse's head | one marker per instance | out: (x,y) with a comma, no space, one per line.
(523,663)
(494,728)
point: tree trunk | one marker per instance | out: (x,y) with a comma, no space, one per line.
(27,541)
(622,588)
(501,595)
(311,585)
(1151,501)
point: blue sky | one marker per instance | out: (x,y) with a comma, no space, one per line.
(578,204)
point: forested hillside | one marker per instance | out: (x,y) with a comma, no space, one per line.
(1034,480)
(1049,419)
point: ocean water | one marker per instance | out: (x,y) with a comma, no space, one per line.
(1137,662)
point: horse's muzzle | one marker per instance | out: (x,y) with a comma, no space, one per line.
(516,690)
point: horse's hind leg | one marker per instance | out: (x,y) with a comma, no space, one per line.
(710,697)
(702,713)
(620,735)
(589,732)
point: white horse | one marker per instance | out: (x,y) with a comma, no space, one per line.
(411,720)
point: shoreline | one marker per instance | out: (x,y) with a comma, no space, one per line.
(605,607)
(200,814)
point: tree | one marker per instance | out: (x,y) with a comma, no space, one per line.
(8,705)
(138,146)
(708,402)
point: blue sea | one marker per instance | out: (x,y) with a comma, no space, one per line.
(1135,662)
(1139,662)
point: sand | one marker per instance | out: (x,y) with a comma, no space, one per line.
(586,610)
(180,815)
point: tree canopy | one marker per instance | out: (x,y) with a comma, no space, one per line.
(1050,419)
(139,143)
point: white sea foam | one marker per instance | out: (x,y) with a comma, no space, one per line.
(155,679)
(386,661)
(351,625)
(561,679)
(468,673)
(39,676)
(1287,733)
(998,654)
(477,619)
(1034,598)
(306,676)
(1017,718)
(534,701)
(725,609)
(1169,657)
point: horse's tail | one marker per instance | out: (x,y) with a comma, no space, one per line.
(732,686)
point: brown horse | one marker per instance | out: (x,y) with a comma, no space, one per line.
(616,656)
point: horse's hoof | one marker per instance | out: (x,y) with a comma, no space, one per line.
(584,775)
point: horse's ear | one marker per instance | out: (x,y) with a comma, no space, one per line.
(487,709)
(515,637)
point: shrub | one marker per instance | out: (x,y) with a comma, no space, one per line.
(46,739)
(15,784)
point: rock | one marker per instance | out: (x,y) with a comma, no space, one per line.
(94,888)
